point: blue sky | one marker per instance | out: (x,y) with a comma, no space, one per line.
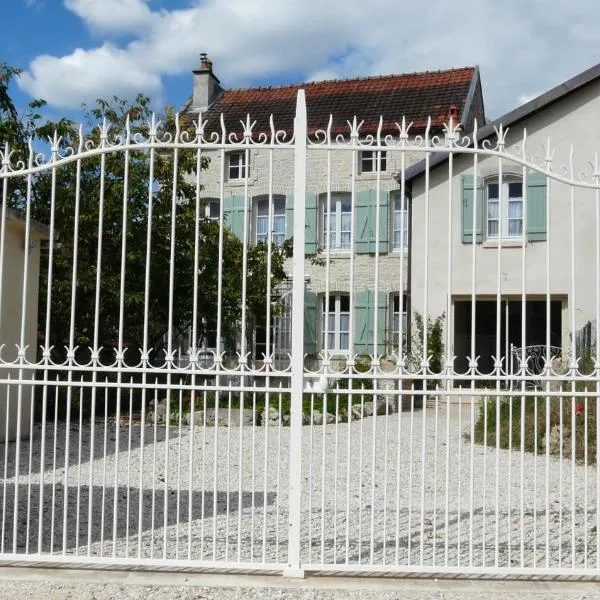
(73,51)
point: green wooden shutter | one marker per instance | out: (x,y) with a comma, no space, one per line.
(310,322)
(377,301)
(233,210)
(361,323)
(364,322)
(467,209)
(289,216)
(384,226)
(364,222)
(536,206)
(310,240)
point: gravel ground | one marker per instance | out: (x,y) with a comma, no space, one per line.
(404,489)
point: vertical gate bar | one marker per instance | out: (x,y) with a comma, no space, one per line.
(269,354)
(104,461)
(194,348)
(179,436)
(472,351)
(502,202)
(410,470)
(435,474)
(398,459)
(24,293)
(228,477)
(375,356)
(242,359)
(574,358)
(154,444)
(145,352)
(120,355)
(277,505)
(449,367)
(203,479)
(129,440)
(170,352)
(597,357)
(5,166)
(5,478)
(46,359)
(360,471)
(54,438)
(294,566)
(79,455)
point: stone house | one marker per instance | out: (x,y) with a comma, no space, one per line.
(341,191)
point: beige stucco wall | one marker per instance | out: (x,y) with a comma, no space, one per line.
(13,308)
(573,120)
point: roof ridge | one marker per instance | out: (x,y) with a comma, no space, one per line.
(349,79)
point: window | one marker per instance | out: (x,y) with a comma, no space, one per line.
(262,220)
(237,165)
(368,161)
(213,210)
(396,316)
(336,322)
(505,208)
(400,222)
(337,220)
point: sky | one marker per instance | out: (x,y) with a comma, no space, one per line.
(74,51)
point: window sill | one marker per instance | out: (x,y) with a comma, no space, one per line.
(511,243)
(373,175)
(337,253)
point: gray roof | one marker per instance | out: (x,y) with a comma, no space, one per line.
(515,115)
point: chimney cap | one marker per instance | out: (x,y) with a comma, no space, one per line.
(205,62)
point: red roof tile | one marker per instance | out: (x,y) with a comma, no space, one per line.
(413,95)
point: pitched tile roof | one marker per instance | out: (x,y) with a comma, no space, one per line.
(413,95)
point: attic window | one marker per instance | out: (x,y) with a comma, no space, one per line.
(368,161)
(236,165)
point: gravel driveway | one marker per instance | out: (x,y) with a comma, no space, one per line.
(405,489)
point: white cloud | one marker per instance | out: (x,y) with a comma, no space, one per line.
(519,46)
(84,76)
(111,16)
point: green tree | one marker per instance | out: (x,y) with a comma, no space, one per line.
(149,204)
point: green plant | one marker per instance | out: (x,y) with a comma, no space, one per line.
(435,345)
(531,422)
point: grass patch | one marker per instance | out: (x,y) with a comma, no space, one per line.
(524,422)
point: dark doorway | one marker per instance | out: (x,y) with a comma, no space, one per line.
(486,327)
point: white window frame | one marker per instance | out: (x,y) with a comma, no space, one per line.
(237,168)
(210,203)
(395,324)
(279,219)
(504,201)
(403,214)
(338,234)
(339,339)
(367,161)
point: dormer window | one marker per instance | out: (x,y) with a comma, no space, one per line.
(369,160)
(236,165)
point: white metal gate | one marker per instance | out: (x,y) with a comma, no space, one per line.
(198,393)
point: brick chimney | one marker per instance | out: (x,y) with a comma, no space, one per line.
(206,85)
(453,116)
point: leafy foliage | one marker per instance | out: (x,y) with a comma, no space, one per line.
(143,200)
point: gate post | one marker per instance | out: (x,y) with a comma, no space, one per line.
(294,568)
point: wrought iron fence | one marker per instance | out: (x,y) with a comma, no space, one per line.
(200,392)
